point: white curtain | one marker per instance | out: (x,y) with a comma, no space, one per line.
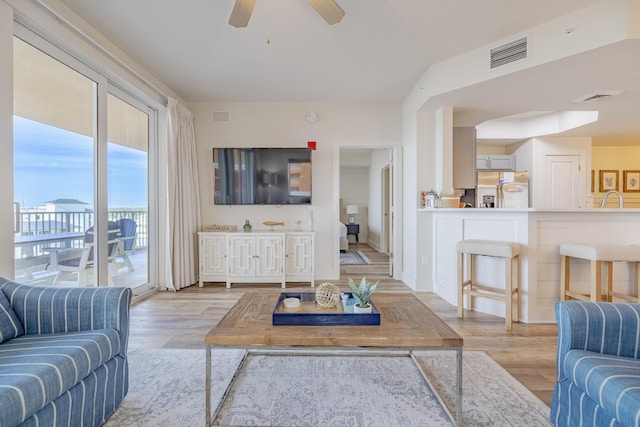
(184,197)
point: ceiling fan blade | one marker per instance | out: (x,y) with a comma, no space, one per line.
(328,9)
(241,13)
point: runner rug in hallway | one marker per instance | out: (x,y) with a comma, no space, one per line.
(167,389)
(353,258)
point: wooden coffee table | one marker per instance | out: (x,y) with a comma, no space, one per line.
(406,325)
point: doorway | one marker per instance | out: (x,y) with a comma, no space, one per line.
(563,180)
(366,183)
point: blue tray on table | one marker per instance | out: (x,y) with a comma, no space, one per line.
(310,314)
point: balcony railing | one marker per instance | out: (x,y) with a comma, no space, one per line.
(41,223)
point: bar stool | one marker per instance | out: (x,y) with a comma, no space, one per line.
(467,251)
(599,256)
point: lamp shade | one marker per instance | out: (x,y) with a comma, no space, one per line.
(352,209)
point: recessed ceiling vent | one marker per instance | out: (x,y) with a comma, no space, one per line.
(509,53)
(597,95)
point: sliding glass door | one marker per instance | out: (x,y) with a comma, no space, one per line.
(128,184)
(54,139)
(81,173)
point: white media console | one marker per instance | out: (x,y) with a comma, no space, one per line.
(257,257)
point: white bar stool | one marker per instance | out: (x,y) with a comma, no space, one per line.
(598,256)
(467,251)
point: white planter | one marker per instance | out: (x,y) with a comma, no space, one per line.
(358,309)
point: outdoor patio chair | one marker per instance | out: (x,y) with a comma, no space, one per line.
(76,264)
(127,242)
(114,239)
(77,260)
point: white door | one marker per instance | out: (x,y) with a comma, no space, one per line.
(387,214)
(562,181)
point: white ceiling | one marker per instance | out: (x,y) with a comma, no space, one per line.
(376,54)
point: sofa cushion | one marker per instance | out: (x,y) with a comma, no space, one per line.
(36,369)
(10,325)
(612,381)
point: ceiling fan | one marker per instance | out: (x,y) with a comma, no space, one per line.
(328,9)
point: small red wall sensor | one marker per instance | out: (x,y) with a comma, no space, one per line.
(311,145)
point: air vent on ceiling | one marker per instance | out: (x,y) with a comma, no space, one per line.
(597,95)
(220,116)
(509,53)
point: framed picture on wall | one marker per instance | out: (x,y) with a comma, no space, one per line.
(608,180)
(631,181)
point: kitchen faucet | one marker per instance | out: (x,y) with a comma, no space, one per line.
(606,196)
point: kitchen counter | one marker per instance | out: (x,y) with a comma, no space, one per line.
(540,232)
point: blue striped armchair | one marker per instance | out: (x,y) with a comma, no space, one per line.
(598,366)
(63,354)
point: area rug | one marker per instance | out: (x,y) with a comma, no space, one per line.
(167,389)
(353,258)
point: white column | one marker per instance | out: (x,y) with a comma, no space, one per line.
(6,136)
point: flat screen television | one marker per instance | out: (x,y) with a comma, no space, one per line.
(262,176)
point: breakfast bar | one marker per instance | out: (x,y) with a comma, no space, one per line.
(540,232)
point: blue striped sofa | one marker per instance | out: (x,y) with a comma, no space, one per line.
(598,366)
(63,354)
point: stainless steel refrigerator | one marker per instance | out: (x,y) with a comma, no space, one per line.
(502,190)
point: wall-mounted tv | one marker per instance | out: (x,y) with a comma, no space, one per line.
(262,176)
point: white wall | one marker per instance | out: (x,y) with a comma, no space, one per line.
(491,149)
(257,124)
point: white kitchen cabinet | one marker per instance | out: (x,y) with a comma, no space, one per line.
(299,256)
(503,162)
(213,257)
(257,257)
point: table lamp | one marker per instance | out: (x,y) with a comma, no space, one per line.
(352,210)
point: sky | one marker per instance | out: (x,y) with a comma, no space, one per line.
(52,163)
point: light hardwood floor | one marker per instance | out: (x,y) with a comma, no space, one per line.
(182,319)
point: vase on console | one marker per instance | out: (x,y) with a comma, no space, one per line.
(310,220)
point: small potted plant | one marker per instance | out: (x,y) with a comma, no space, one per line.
(363,294)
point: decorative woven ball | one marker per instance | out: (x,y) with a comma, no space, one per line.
(327,295)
